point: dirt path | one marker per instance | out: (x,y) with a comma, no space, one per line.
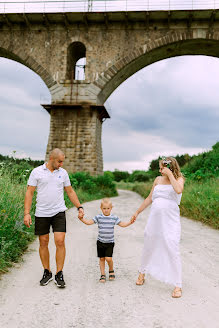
(87,303)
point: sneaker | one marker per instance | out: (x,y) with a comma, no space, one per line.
(59,280)
(47,277)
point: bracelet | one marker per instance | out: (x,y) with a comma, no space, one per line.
(26,214)
(80,207)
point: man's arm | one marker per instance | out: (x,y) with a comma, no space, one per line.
(73,198)
(27,205)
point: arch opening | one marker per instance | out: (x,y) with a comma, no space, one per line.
(24,122)
(167,108)
(30,63)
(76,61)
(205,47)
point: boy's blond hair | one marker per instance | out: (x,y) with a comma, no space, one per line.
(106,201)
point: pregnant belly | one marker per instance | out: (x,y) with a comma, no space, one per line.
(164,203)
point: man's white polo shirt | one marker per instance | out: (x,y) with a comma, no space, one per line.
(50,190)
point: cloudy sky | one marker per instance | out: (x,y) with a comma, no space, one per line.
(170,107)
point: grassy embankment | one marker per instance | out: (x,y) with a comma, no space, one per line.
(14,236)
(199,200)
(201,192)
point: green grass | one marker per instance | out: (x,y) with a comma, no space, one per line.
(14,235)
(199,199)
(200,202)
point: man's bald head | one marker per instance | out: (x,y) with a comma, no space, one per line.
(55,153)
(56,159)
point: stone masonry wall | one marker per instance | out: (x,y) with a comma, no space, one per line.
(77,132)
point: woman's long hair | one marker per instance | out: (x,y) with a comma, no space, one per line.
(173,165)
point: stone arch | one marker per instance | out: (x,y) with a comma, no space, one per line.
(76,50)
(20,56)
(196,42)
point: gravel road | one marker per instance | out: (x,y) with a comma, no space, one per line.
(87,303)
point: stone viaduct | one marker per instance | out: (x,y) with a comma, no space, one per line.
(116,45)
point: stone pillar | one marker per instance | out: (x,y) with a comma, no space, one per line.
(77,130)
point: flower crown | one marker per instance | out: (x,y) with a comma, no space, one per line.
(166,162)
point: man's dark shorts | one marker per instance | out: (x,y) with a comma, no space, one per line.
(104,249)
(58,223)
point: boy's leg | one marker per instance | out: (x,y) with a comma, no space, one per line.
(102,266)
(110,263)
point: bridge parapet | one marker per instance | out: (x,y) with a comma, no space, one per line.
(30,6)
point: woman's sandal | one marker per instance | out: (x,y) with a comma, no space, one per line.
(102,278)
(177,293)
(140,281)
(111,275)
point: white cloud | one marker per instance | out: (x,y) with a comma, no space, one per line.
(139,149)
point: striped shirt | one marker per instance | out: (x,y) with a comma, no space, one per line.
(106,227)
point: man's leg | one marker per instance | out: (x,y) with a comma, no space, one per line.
(44,251)
(59,238)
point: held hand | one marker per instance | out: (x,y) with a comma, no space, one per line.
(134,217)
(80,216)
(81,212)
(27,220)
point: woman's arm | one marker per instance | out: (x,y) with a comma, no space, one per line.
(146,202)
(178,184)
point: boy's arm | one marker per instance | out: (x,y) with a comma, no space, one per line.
(86,221)
(125,224)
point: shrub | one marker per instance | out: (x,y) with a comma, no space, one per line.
(203,166)
(120,175)
(141,176)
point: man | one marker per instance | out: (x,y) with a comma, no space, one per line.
(50,180)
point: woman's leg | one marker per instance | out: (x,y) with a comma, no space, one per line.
(141,279)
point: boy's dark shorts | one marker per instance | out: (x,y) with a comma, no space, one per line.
(104,249)
(58,223)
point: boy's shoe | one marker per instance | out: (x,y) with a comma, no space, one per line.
(59,280)
(102,278)
(47,277)
(111,275)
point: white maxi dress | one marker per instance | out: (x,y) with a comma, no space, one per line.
(161,254)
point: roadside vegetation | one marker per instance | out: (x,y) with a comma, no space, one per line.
(199,201)
(14,173)
(201,193)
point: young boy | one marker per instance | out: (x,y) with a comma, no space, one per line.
(105,240)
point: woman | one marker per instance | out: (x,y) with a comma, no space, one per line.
(161,255)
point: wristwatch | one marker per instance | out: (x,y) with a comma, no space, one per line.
(80,207)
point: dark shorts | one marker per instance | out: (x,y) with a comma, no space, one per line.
(104,249)
(58,223)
